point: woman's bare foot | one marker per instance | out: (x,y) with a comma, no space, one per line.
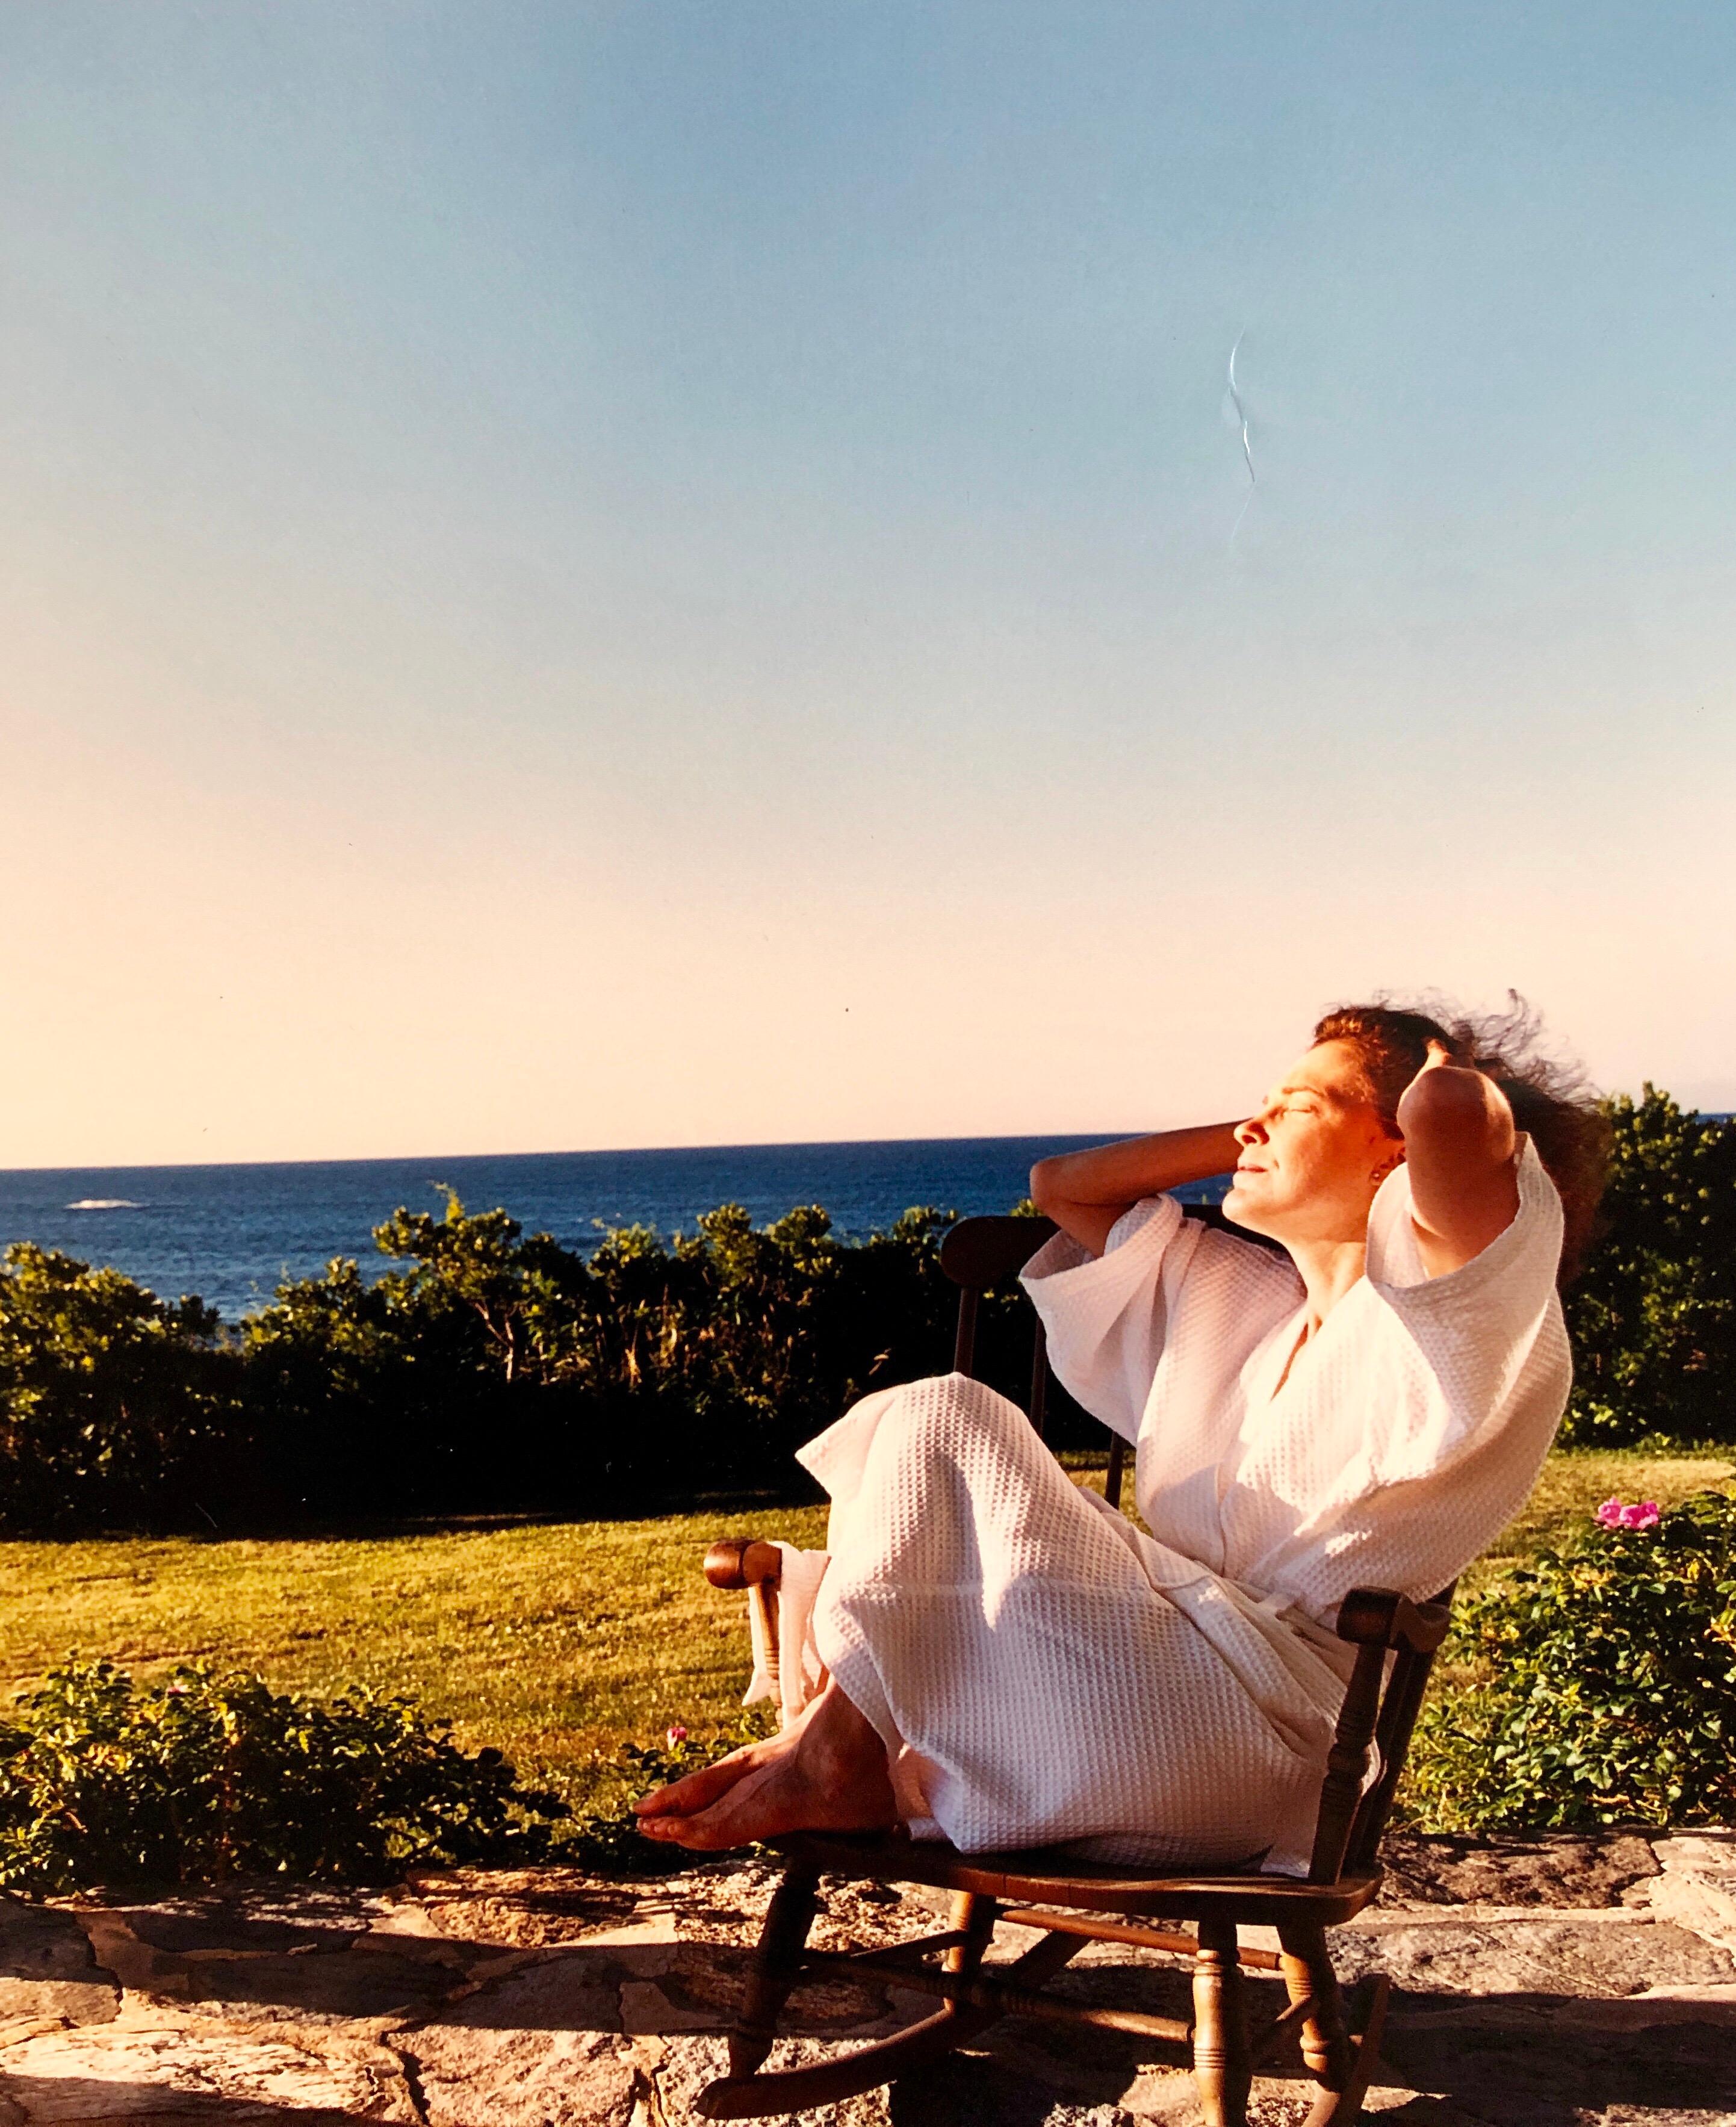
(827,1772)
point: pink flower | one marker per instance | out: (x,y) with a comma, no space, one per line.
(1643,1514)
(675,1734)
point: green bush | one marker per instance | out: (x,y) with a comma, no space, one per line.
(207,1776)
(1653,1316)
(1610,1690)
(112,1402)
(497,1370)
(488,1370)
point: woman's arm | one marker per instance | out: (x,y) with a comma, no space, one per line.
(1458,1146)
(1085,1192)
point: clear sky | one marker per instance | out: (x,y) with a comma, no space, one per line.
(649,574)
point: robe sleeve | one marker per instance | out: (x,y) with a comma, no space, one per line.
(1476,1329)
(1104,1316)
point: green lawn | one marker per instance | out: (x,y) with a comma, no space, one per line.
(556,1642)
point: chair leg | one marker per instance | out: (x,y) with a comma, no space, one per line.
(747,2094)
(1223,2061)
(1308,1974)
(975,1918)
(1342,2108)
(782,1941)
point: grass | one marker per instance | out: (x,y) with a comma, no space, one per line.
(556,1643)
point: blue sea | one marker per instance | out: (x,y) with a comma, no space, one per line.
(231,1233)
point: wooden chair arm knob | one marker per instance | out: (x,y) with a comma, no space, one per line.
(1376,1617)
(743,1561)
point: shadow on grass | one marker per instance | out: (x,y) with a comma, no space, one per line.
(800,1492)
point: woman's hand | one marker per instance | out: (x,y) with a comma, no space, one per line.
(1085,1192)
(1459,1144)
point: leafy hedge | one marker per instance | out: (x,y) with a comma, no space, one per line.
(211,1776)
(207,1776)
(1654,1313)
(490,1370)
(487,1370)
(111,1400)
(1608,1690)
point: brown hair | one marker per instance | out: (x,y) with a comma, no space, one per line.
(1551,1100)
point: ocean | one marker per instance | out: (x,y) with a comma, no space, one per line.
(231,1233)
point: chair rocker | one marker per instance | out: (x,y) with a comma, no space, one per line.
(1071,1904)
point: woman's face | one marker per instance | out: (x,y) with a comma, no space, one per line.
(1312,1152)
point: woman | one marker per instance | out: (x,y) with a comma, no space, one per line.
(996,1656)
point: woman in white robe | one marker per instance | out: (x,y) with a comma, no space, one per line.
(996,1656)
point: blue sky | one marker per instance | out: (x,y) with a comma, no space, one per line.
(656,574)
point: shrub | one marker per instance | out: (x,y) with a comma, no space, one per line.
(115,1407)
(500,1369)
(209,1776)
(1653,1314)
(1610,1695)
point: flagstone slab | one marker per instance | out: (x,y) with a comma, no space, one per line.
(48,1969)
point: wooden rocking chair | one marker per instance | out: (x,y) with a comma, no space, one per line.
(1071,1904)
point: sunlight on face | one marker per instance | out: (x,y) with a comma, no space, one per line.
(1310,1153)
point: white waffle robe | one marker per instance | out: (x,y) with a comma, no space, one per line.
(1044,1673)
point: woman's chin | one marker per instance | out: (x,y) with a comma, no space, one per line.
(1242,1207)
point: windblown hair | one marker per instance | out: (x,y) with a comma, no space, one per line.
(1551,1100)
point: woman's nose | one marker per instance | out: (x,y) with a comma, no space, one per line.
(1251,1132)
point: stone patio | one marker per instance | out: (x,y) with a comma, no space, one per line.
(1540,1983)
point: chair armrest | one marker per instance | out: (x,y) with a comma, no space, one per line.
(1376,1617)
(744,1561)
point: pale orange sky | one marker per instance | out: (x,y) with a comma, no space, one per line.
(566,584)
(328,951)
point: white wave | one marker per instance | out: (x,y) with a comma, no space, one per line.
(105,1204)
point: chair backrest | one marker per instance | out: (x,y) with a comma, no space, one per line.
(978,1254)
(1396,1640)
